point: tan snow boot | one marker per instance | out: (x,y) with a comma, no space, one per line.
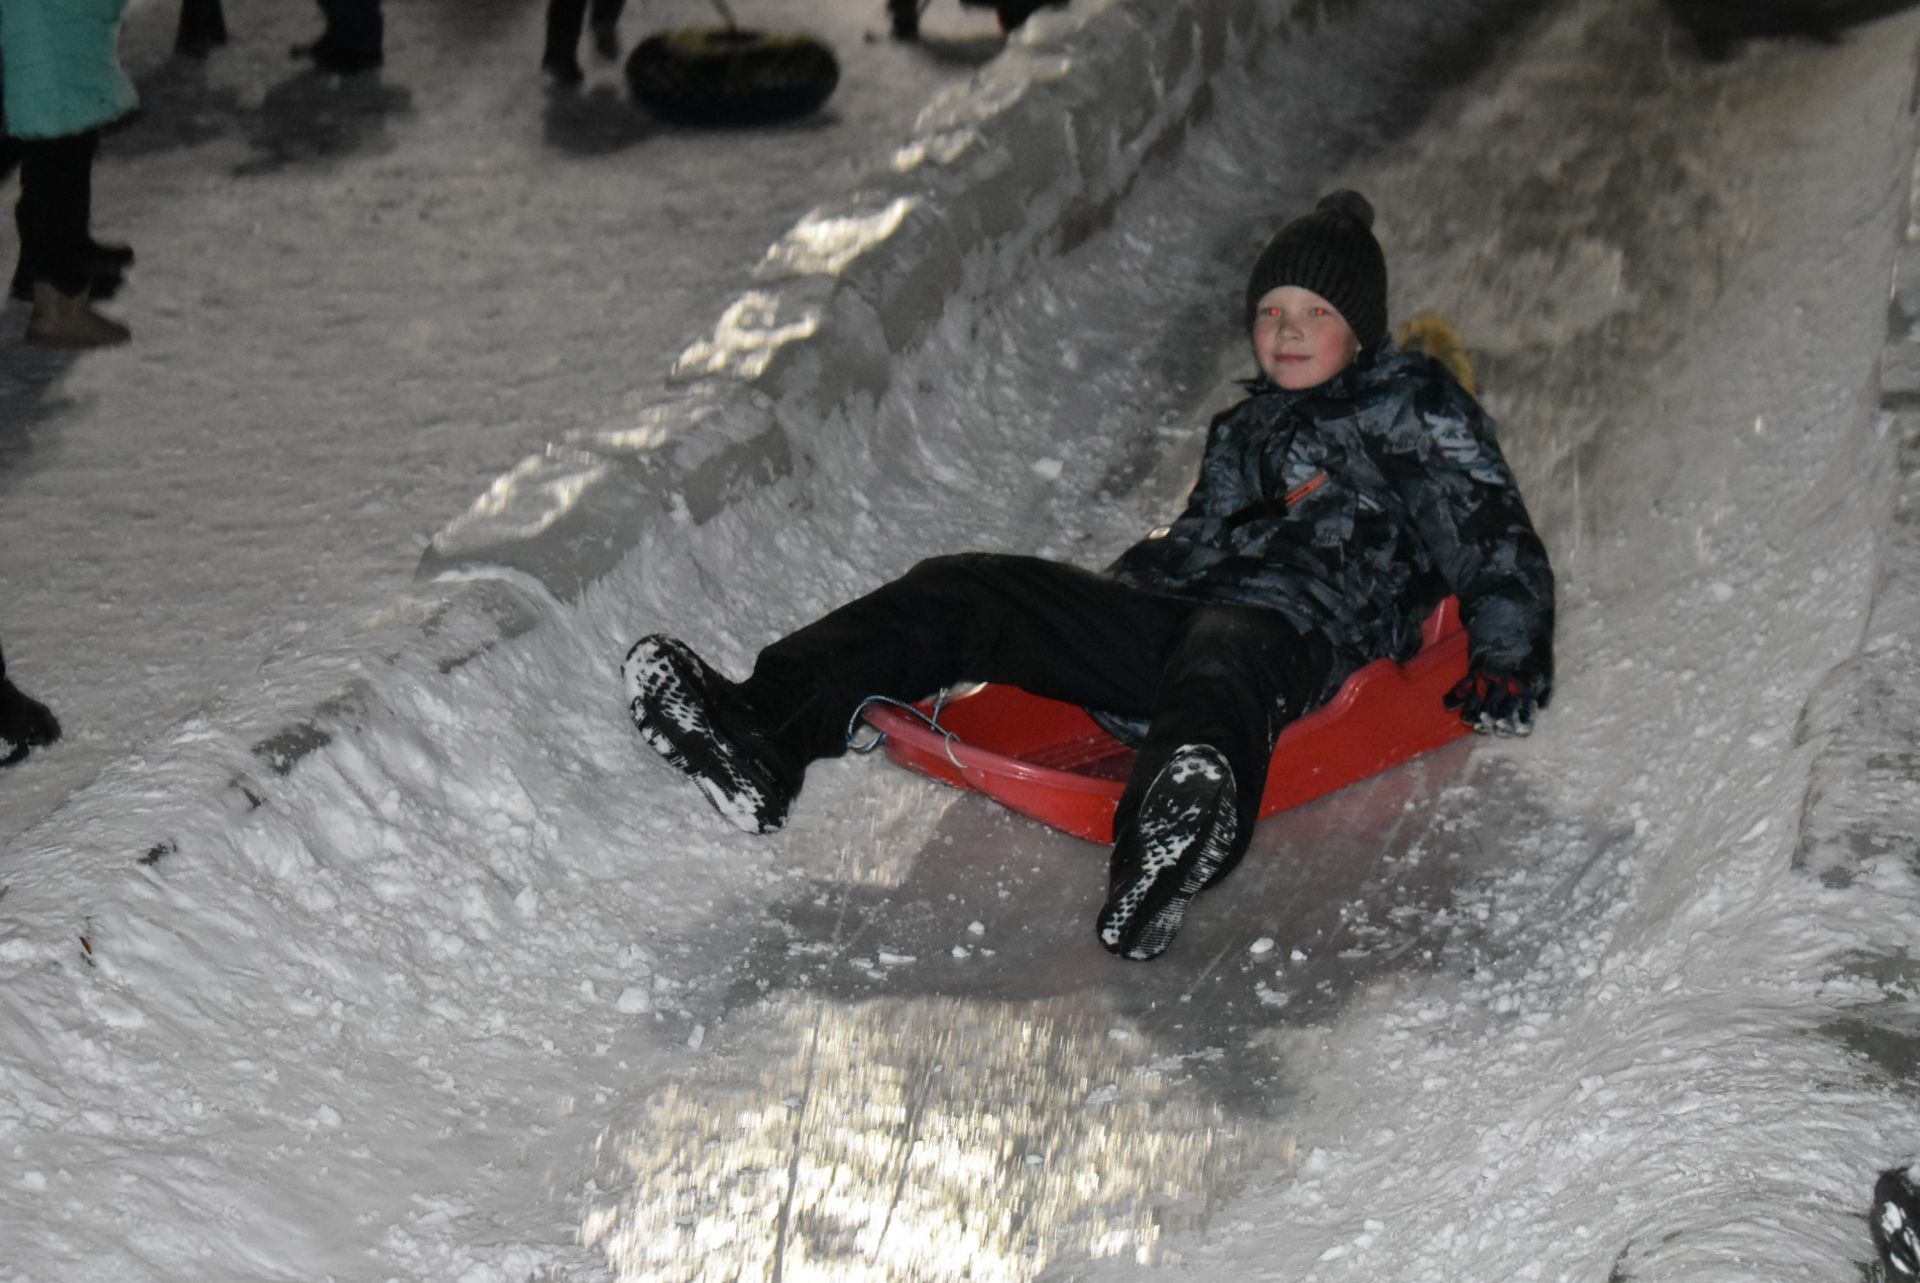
(68,320)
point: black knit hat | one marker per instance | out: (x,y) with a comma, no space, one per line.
(1333,253)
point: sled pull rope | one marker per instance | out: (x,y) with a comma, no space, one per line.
(880,736)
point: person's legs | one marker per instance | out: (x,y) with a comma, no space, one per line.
(354,39)
(606,23)
(1235,678)
(107,264)
(56,200)
(1049,628)
(355,24)
(607,12)
(1052,629)
(905,15)
(560,59)
(202,28)
(56,204)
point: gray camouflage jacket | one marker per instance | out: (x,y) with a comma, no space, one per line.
(1354,508)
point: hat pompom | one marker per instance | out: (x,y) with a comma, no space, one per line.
(1350,203)
(1332,252)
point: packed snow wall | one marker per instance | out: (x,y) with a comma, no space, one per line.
(1026,163)
(1863,720)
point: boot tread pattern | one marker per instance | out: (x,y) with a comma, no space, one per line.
(1178,842)
(671,696)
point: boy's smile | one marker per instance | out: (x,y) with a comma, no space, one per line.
(1300,339)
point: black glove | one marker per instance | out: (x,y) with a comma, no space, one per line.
(1498,701)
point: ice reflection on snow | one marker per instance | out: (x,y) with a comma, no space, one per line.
(924,1139)
(939,148)
(559,477)
(749,332)
(893,1070)
(753,328)
(826,243)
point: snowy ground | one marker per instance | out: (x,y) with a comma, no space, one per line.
(357,303)
(477,993)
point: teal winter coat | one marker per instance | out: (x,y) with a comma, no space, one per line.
(61,65)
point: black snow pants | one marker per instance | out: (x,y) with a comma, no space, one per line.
(354,26)
(55,208)
(1226,676)
(565,19)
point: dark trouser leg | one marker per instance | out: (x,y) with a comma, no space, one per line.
(203,25)
(564,20)
(906,18)
(606,36)
(1235,677)
(1048,628)
(22,286)
(354,26)
(55,208)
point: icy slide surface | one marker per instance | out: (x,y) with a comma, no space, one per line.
(481,993)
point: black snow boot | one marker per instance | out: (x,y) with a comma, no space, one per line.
(690,715)
(1180,840)
(25,723)
(1896,1221)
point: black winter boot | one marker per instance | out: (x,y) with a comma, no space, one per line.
(25,723)
(688,714)
(1175,846)
(1895,1221)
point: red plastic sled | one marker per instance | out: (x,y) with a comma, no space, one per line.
(1051,762)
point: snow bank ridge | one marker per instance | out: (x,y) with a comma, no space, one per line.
(1027,161)
(1865,785)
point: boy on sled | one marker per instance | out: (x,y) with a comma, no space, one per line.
(1353,489)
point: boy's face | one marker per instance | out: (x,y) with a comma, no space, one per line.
(1300,339)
